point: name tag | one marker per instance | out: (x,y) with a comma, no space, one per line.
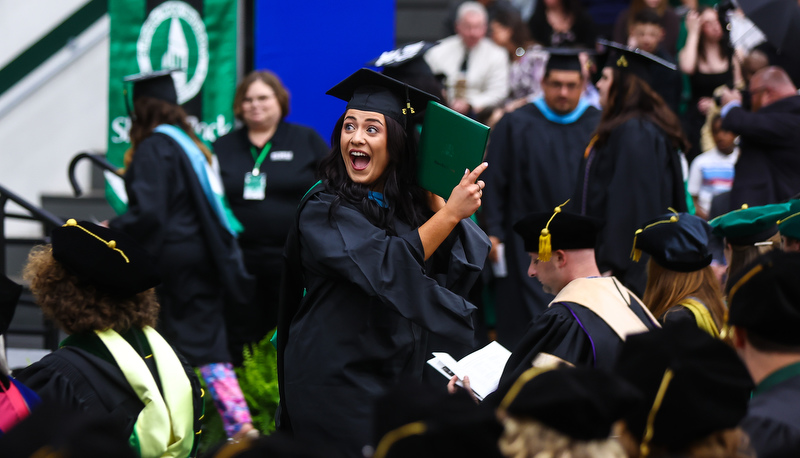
(281,156)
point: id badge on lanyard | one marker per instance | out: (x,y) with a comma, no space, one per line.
(255,182)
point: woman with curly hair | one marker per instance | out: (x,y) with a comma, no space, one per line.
(375,262)
(97,285)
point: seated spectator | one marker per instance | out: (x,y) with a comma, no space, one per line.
(475,69)
(527,62)
(493,9)
(647,34)
(562,23)
(669,21)
(712,172)
(97,285)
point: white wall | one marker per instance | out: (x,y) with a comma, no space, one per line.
(66,115)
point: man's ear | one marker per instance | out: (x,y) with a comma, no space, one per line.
(560,258)
(738,337)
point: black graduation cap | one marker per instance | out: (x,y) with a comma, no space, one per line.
(544,232)
(277,444)
(693,385)
(109,260)
(633,60)
(413,419)
(404,61)
(676,241)
(764,298)
(565,58)
(158,85)
(9,296)
(581,403)
(368,90)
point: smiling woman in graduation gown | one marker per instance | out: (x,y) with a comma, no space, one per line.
(374,265)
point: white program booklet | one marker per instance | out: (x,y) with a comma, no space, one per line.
(483,367)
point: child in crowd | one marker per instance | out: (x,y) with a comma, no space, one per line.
(711,173)
(647,33)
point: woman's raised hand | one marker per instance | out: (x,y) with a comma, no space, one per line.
(466,196)
(693,21)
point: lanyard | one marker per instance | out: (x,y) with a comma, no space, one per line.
(260,159)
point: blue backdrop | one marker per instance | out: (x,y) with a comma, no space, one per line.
(313,44)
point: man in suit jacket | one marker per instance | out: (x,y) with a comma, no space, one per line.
(768,169)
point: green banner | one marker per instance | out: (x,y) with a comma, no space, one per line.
(196,36)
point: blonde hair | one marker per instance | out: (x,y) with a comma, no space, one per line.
(726,443)
(667,288)
(528,438)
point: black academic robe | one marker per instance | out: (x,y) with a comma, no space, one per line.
(577,334)
(773,421)
(290,169)
(363,322)
(533,166)
(200,265)
(83,375)
(632,178)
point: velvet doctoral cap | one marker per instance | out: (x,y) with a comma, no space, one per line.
(789,225)
(567,231)
(581,403)
(633,60)
(693,385)
(368,90)
(104,258)
(413,419)
(676,241)
(158,85)
(749,225)
(764,298)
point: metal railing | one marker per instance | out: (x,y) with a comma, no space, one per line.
(49,221)
(96,159)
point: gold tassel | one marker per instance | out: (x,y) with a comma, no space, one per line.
(545,248)
(636,254)
(649,430)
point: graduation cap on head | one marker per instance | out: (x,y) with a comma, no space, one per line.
(789,225)
(676,241)
(693,385)
(158,85)
(544,232)
(109,260)
(633,60)
(404,61)
(581,403)
(565,59)
(368,90)
(749,225)
(764,298)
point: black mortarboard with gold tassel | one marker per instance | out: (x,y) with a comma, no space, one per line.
(104,258)
(545,232)
(676,241)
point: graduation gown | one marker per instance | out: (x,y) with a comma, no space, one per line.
(290,168)
(362,324)
(199,261)
(84,376)
(533,166)
(585,325)
(773,419)
(633,177)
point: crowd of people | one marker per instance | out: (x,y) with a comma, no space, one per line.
(632,238)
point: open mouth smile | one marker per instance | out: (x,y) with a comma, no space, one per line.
(359,160)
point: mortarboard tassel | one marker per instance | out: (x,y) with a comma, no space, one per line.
(644,449)
(545,245)
(636,254)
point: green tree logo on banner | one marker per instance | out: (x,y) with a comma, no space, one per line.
(174,36)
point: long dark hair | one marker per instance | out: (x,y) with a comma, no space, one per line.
(631,97)
(150,113)
(725,48)
(405,198)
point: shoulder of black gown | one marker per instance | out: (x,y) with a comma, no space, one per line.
(677,314)
(771,438)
